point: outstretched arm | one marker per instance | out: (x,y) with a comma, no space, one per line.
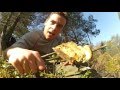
(25,60)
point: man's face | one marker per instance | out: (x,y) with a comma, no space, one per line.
(53,26)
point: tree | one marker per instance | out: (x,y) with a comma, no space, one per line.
(89,27)
(14,23)
(37,23)
(74,22)
(79,29)
(113,45)
(119,15)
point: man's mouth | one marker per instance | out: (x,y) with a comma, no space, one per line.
(51,33)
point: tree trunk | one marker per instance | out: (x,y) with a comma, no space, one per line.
(89,39)
(7,34)
(3,34)
(75,37)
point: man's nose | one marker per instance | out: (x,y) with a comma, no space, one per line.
(54,26)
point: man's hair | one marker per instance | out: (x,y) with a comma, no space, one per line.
(63,14)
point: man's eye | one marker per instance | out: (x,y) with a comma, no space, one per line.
(60,26)
(52,22)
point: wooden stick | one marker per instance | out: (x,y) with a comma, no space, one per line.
(92,51)
(48,54)
(99,48)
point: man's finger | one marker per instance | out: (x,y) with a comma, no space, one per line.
(40,63)
(33,65)
(25,66)
(66,63)
(16,64)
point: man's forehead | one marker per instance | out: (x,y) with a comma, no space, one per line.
(57,17)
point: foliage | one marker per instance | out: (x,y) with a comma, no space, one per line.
(7,71)
(21,28)
(108,63)
(13,23)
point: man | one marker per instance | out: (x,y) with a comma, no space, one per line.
(25,54)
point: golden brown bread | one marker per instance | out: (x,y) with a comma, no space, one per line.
(71,51)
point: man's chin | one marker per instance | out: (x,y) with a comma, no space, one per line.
(49,38)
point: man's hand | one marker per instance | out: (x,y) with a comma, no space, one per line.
(25,61)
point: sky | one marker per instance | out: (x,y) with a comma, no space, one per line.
(108,23)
